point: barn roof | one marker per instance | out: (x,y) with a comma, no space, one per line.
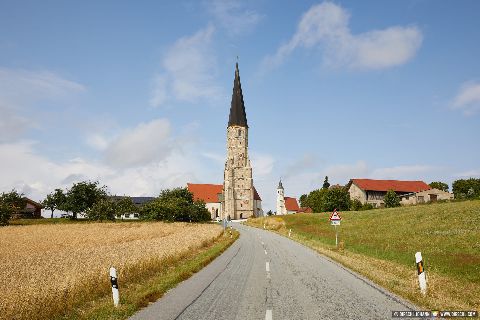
(395,185)
(291,204)
(209,192)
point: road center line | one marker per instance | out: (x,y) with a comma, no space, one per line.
(265,252)
(263,243)
(268,315)
(267,266)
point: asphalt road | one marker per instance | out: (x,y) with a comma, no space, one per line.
(266,276)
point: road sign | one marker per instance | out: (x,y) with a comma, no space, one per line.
(335,222)
(335,216)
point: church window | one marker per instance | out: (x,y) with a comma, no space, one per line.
(239,132)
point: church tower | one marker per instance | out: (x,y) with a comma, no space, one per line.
(281,199)
(238,180)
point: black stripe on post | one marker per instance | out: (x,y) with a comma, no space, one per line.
(420,267)
(114,282)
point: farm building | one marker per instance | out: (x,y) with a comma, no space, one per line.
(430,195)
(212,195)
(374,191)
(32,209)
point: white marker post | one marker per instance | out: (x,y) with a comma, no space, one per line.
(264,226)
(289,232)
(113,280)
(422,280)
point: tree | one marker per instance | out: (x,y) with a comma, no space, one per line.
(54,201)
(439,185)
(356,205)
(125,205)
(10,203)
(391,199)
(303,200)
(466,188)
(103,209)
(175,205)
(336,198)
(326,184)
(315,200)
(82,196)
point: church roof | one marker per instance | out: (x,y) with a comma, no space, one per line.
(291,204)
(280,185)
(209,192)
(238,117)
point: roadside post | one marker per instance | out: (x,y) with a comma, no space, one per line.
(114,281)
(289,232)
(335,221)
(422,281)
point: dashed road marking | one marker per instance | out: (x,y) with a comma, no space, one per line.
(267,266)
(263,243)
(265,252)
(268,315)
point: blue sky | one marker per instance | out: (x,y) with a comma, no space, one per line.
(136,95)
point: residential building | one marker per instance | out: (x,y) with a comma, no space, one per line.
(430,195)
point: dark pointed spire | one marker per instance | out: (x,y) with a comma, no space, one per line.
(238,117)
(280,186)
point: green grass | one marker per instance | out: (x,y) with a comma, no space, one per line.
(149,287)
(447,234)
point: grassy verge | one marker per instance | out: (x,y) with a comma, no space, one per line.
(137,290)
(380,244)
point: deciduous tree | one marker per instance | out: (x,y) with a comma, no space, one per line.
(10,203)
(54,201)
(439,185)
(391,199)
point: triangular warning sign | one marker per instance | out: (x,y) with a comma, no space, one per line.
(335,215)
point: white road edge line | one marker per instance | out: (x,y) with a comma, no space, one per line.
(268,315)
(267,266)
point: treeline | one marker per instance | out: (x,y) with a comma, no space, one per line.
(95,203)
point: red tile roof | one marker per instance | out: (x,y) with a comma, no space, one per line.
(305,210)
(209,192)
(291,204)
(395,185)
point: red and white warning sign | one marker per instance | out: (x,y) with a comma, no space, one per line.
(335,216)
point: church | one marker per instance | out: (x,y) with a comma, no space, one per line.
(237,198)
(286,205)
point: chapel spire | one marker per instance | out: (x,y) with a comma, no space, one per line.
(238,116)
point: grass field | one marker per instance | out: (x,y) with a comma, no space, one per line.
(56,270)
(381,244)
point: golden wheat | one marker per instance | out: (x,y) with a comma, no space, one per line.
(45,269)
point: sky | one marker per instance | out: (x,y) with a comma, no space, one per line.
(136,94)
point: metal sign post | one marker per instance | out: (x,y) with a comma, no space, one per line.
(335,221)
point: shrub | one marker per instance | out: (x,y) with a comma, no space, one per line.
(336,198)
(103,209)
(356,205)
(466,188)
(391,199)
(10,203)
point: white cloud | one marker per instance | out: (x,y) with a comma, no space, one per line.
(326,25)
(468,174)
(232,16)
(468,98)
(19,86)
(20,91)
(188,72)
(262,165)
(12,125)
(141,145)
(406,172)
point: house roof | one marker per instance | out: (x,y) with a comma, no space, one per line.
(305,210)
(395,185)
(238,117)
(209,192)
(33,203)
(291,204)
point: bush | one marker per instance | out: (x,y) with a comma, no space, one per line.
(175,205)
(466,188)
(10,203)
(356,205)
(367,206)
(391,199)
(103,209)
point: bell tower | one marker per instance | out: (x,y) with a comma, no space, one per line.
(238,180)
(281,199)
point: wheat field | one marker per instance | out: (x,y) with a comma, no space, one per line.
(47,269)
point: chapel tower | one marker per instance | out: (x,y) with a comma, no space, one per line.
(238,193)
(281,210)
